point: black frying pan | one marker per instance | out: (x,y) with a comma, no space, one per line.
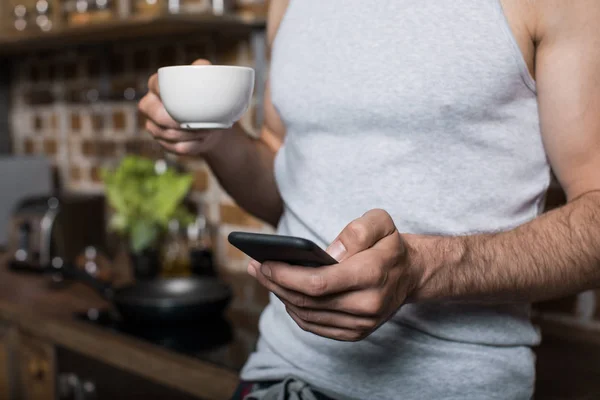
(160,300)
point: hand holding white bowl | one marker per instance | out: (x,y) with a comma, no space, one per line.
(207,100)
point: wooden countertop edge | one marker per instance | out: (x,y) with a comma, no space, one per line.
(179,372)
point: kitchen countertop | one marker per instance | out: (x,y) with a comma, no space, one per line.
(28,301)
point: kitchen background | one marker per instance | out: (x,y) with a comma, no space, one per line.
(74,71)
(78,106)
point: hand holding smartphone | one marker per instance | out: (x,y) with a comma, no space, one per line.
(287,249)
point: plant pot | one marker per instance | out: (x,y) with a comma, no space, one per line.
(146,265)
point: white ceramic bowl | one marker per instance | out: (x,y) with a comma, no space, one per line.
(206,96)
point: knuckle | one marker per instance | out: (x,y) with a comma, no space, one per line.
(354,336)
(381,215)
(302,314)
(309,316)
(299,300)
(147,106)
(142,104)
(382,218)
(382,259)
(171,134)
(163,118)
(182,148)
(377,274)
(360,232)
(400,250)
(373,305)
(150,128)
(151,81)
(366,325)
(300,323)
(317,285)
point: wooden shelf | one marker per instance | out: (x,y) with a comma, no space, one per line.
(13,43)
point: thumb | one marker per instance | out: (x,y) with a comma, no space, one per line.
(201,61)
(362,234)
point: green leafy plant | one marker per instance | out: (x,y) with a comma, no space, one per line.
(144,200)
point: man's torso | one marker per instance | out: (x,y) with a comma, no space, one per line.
(426,109)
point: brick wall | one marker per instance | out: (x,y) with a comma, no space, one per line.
(80,109)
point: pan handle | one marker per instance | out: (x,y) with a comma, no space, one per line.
(70,271)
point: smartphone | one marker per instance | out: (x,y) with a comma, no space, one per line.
(287,249)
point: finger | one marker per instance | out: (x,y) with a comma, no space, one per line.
(153,108)
(181,148)
(340,334)
(367,303)
(368,269)
(153,85)
(333,319)
(361,234)
(253,267)
(175,135)
(201,61)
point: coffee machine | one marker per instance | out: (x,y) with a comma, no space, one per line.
(59,227)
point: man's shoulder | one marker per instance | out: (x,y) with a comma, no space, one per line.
(557,18)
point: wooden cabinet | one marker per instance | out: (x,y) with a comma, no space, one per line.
(95,380)
(32,368)
(36,367)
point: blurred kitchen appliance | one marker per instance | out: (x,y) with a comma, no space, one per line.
(22,176)
(45,228)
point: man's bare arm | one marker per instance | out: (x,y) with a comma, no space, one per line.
(559,252)
(243,165)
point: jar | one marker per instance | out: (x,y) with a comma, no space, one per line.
(175,256)
(81,12)
(215,7)
(21,17)
(43,15)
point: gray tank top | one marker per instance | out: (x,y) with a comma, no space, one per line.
(424,108)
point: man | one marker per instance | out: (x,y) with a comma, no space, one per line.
(415,139)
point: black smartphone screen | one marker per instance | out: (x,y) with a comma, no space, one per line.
(287,249)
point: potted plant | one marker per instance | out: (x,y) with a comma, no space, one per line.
(145,195)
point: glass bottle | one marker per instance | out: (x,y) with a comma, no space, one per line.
(175,260)
(20,13)
(200,248)
(43,18)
